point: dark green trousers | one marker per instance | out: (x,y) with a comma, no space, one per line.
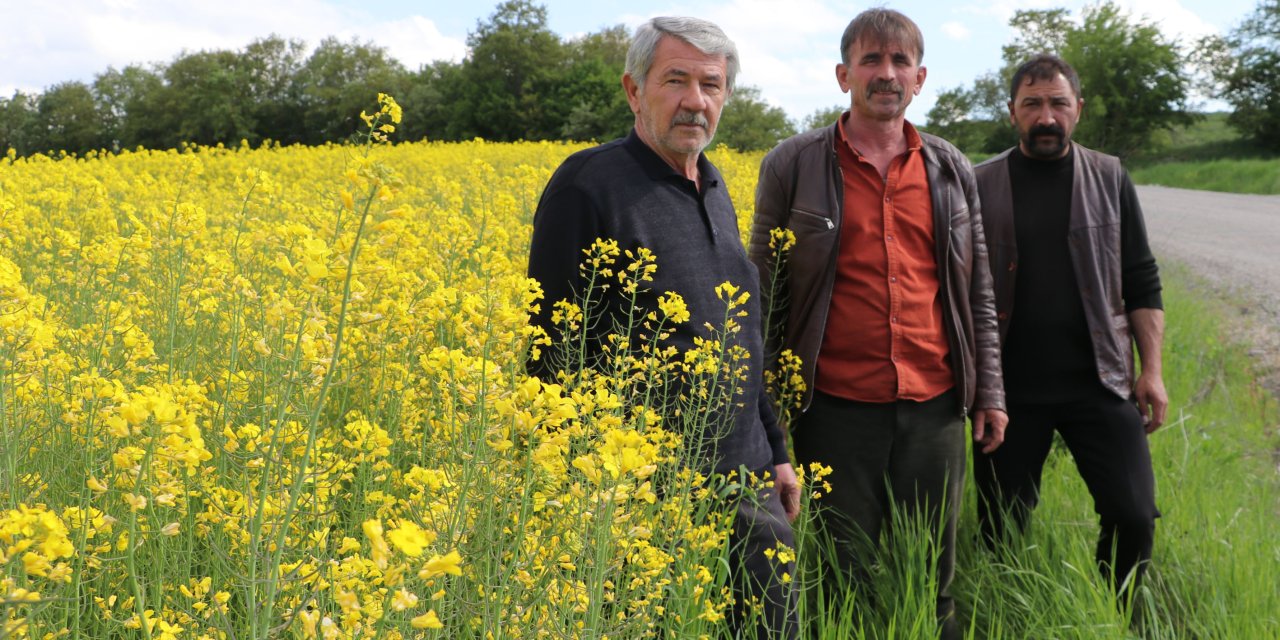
(905,454)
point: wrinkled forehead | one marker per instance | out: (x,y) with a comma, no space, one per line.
(887,43)
(1054,86)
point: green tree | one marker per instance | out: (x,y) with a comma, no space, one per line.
(128,103)
(823,117)
(271,67)
(974,119)
(338,81)
(512,72)
(1246,65)
(1037,31)
(592,86)
(206,100)
(1131,78)
(67,119)
(17,123)
(748,123)
(430,102)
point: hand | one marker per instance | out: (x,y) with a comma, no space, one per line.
(1153,400)
(988,428)
(788,489)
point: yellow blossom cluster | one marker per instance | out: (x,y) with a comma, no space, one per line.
(281,392)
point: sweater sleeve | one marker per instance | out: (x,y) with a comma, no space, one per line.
(564,225)
(1140,277)
(772,430)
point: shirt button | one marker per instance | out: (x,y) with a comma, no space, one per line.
(889,238)
(894,319)
(892,279)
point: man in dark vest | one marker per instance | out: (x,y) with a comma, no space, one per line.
(1076,285)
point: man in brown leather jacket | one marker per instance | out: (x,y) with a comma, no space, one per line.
(886,298)
(1076,286)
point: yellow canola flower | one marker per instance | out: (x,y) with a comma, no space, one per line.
(450,563)
(410,539)
(403,600)
(379,550)
(428,620)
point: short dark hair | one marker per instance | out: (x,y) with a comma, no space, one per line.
(1044,66)
(884,26)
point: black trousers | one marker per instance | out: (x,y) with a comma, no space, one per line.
(1106,437)
(766,601)
(905,454)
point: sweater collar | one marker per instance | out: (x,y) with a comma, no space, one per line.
(658,169)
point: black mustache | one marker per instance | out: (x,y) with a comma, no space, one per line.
(1046,130)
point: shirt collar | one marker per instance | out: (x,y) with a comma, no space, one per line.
(658,169)
(914,142)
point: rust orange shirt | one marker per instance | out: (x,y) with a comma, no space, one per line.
(885,339)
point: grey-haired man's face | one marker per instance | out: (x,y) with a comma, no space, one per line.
(678,107)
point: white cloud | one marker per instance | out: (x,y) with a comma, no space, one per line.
(789,51)
(77,39)
(1174,20)
(414,41)
(956,30)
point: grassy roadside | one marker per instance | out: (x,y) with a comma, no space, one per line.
(1217,559)
(1210,155)
(1227,175)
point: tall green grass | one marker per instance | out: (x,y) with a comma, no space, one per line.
(1216,566)
(1208,154)
(1231,175)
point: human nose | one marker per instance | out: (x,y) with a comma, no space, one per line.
(1044,115)
(884,70)
(694,98)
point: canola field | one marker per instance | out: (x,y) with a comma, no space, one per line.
(280,392)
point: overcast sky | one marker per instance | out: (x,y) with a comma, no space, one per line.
(788,49)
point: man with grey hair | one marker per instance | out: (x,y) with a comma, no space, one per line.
(886,298)
(655,189)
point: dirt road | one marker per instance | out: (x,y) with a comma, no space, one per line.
(1233,241)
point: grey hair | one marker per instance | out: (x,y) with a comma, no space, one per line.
(705,36)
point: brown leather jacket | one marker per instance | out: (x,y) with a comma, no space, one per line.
(1094,243)
(800,188)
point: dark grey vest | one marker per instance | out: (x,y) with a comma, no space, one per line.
(1094,244)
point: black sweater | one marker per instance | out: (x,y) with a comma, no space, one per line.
(623,190)
(1048,354)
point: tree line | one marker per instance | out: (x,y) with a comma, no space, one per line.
(521,81)
(1134,80)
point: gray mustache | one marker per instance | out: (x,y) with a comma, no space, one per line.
(690,117)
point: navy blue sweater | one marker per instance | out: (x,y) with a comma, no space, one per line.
(624,191)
